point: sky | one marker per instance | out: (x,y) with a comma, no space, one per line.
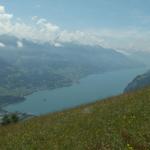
(118,24)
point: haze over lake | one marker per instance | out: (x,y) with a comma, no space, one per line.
(89,89)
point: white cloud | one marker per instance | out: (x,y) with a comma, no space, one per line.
(41,30)
(19,44)
(34,18)
(126,39)
(2,44)
(79,37)
(2,9)
(47,26)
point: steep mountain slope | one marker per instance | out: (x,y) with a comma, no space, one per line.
(120,122)
(139,82)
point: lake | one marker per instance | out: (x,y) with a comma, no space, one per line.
(90,89)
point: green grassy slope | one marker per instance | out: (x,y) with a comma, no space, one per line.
(118,123)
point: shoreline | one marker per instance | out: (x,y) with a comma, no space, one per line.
(20,99)
(4,102)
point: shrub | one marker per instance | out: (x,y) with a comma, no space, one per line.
(6,120)
(14,118)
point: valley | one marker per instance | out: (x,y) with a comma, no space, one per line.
(74,75)
(88,90)
(40,66)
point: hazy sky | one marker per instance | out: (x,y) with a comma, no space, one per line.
(120,24)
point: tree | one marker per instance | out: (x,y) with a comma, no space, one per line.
(11,118)
(6,120)
(14,118)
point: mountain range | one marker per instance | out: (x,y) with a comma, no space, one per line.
(27,66)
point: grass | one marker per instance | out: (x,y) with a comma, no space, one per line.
(117,123)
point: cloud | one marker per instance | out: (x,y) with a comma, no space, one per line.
(45,25)
(41,30)
(2,45)
(2,9)
(34,18)
(79,37)
(19,44)
(126,39)
(4,17)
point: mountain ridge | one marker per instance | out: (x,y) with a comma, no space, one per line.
(139,82)
(36,66)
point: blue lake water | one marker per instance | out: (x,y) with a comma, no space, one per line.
(89,89)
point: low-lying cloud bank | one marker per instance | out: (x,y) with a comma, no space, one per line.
(41,30)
